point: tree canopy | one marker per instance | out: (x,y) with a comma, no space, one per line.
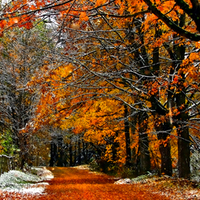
(122,74)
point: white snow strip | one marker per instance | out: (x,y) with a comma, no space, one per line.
(30,191)
(25,183)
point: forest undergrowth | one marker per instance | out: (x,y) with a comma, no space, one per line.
(82,184)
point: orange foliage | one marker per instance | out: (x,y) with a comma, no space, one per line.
(97,118)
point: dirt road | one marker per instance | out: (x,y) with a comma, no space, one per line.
(81,184)
(77,184)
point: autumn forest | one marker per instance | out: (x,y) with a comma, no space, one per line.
(113,83)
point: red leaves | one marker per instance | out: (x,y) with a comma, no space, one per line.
(175,80)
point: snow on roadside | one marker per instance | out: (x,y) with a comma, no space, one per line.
(44,173)
(123,181)
(16,181)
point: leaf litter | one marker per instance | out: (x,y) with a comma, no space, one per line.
(80,183)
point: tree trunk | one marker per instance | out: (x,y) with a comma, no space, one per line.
(60,156)
(70,154)
(115,146)
(183,139)
(79,151)
(165,150)
(74,164)
(144,156)
(85,152)
(143,162)
(127,136)
(182,118)
(133,123)
(53,154)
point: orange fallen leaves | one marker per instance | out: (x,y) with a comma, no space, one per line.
(71,183)
(81,184)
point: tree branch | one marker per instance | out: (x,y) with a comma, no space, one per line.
(171,24)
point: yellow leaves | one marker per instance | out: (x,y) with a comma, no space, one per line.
(185,62)
(108,154)
(194,57)
(185,84)
(100,2)
(83,16)
(135,6)
(64,71)
(176,112)
(49,104)
(195,86)
(197,45)
(148,22)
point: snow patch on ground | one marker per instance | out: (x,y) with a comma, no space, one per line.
(45,174)
(123,181)
(176,192)
(16,181)
(31,190)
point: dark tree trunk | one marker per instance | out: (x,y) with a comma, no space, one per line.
(60,156)
(165,150)
(85,151)
(66,154)
(70,154)
(53,154)
(79,151)
(143,162)
(162,128)
(144,156)
(115,147)
(133,123)
(182,118)
(184,153)
(127,136)
(183,139)
(23,150)
(75,154)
